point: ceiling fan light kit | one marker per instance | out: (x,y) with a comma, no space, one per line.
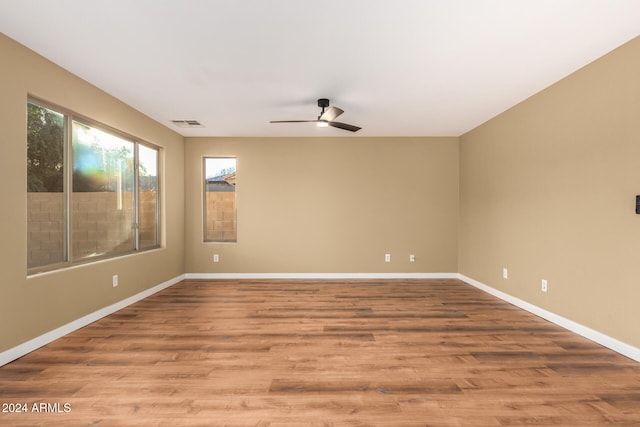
(326,117)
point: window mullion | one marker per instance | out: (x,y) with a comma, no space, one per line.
(135,195)
(68,189)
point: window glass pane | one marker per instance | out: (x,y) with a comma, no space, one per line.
(147,197)
(220,200)
(103,185)
(45,186)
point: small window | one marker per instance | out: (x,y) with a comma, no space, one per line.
(220,199)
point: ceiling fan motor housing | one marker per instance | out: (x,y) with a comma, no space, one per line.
(323,102)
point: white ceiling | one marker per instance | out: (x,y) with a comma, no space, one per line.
(397,68)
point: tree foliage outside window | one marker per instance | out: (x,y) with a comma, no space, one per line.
(100,160)
(45,149)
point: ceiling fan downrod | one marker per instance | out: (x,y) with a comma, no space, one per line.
(322,103)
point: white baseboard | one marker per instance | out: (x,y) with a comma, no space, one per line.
(591,334)
(44,339)
(321,276)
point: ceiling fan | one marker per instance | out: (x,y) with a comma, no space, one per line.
(326,117)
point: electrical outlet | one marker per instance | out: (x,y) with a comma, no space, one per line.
(114,280)
(505,273)
(387,257)
(412,258)
(216,258)
(544,286)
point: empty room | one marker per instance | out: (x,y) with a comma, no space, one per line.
(286,213)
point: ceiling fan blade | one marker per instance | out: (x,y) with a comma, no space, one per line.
(331,113)
(344,126)
(293,121)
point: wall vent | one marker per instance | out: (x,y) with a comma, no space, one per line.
(187,123)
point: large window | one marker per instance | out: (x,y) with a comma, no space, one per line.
(91,192)
(220,199)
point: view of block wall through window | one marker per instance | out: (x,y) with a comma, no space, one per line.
(113,206)
(220,223)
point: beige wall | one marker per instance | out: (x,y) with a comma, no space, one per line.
(32,306)
(547,189)
(330,205)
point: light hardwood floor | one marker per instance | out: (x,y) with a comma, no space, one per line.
(335,353)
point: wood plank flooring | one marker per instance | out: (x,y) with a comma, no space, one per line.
(332,353)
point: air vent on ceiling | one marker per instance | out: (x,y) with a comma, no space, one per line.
(187,123)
